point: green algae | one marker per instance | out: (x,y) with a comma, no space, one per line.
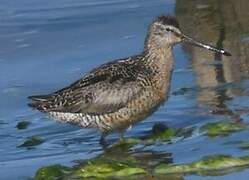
(126,143)
(22,125)
(160,132)
(32,141)
(222,128)
(104,168)
(185,132)
(204,166)
(52,172)
(117,162)
(164,135)
(120,162)
(109,168)
(98,168)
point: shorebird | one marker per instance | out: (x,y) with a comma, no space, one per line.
(122,92)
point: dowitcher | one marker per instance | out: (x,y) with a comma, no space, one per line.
(122,92)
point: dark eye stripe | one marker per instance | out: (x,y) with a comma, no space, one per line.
(168,29)
(175,33)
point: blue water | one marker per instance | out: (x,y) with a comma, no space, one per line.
(46,45)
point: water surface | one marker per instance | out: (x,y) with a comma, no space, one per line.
(46,45)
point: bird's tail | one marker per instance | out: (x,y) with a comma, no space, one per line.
(40,102)
(45,104)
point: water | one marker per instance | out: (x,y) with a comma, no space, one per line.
(46,45)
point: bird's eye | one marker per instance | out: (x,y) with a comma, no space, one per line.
(168,29)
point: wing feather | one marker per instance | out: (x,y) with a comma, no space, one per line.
(103,90)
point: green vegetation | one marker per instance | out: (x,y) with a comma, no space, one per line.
(160,132)
(205,165)
(119,161)
(22,125)
(32,141)
(52,172)
(126,143)
(222,128)
(105,167)
(100,168)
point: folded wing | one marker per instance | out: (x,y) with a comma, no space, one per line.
(104,90)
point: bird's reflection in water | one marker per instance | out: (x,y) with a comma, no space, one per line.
(223,22)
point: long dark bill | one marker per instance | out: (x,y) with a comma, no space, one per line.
(199,44)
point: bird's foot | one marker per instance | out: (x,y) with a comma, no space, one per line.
(103,141)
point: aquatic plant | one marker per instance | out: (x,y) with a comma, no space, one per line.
(106,167)
(52,172)
(222,128)
(217,163)
(101,167)
(32,141)
(22,124)
(119,162)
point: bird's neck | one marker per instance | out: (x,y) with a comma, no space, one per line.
(159,57)
(160,60)
(158,52)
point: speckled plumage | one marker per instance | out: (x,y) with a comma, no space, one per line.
(122,92)
(119,93)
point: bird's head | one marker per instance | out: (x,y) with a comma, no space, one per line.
(165,32)
(166,29)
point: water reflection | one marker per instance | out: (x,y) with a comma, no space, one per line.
(222,23)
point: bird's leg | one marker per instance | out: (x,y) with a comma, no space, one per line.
(122,139)
(102,141)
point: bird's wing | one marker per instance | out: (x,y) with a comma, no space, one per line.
(103,90)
